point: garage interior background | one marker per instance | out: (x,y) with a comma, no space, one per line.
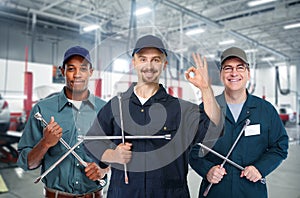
(35,33)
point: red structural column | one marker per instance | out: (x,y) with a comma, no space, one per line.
(98,87)
(28,92)
(175,90)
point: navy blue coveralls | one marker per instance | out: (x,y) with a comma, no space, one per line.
(158,167)
(265,149)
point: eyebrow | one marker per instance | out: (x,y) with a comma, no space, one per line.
(146,56)
(80,67)
(142,56)
(82,64)
(236,65)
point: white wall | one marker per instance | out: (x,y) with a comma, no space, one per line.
(265,84)
(12,83)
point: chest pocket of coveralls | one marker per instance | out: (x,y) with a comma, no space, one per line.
(167,129)
(255,144)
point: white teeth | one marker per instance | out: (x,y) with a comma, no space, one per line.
(149,74)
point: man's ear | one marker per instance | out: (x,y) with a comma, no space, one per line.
(91,71)
(249,75)
(62,71)
(165,64)
(132,62)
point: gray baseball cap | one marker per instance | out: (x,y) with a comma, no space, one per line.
(149,41)
(234,52)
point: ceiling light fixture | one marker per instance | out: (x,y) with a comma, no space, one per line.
(268,58)
(194,31)
(91,28)
(290,26)
(259,2)
(227,42)
(251,50)
(181,50)
(210,56)
(142,11)
(281,64)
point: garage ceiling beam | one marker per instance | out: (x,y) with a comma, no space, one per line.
(214,24)
(60,18)
(51,5)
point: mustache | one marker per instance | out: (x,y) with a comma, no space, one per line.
(149,70)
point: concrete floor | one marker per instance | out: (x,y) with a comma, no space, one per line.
(283,182)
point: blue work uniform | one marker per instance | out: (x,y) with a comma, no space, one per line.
(158,167)
(69,175)
(265,146)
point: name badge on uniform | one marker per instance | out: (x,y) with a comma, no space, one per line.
(252,130)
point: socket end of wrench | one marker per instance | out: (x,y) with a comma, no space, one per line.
(126,180)
(168,136)
(102,182)
(38,116)
(38,179)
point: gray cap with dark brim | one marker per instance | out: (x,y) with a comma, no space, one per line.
(234,52)
(149,41)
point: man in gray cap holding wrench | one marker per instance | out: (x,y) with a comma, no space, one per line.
(262,146)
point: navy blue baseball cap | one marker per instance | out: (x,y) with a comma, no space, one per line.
(77,50)
(149,41)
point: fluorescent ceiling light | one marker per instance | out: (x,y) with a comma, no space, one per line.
(181,50)
(269,58)
(290,26)
(227,42)
(142,11)
(194,31)
(259,2)
(251,50)
(210,56)
(91,28)
(281,64)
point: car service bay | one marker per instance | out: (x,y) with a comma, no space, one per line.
(35,34)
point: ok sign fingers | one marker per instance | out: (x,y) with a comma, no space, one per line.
(198,76)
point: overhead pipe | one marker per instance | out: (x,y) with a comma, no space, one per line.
(192,13)
(256,43)
(132,29)
(98,80)
(282,91)
(6,60)
(41,21)
(69,20)
(33,33)
(41,13)
(252,83)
